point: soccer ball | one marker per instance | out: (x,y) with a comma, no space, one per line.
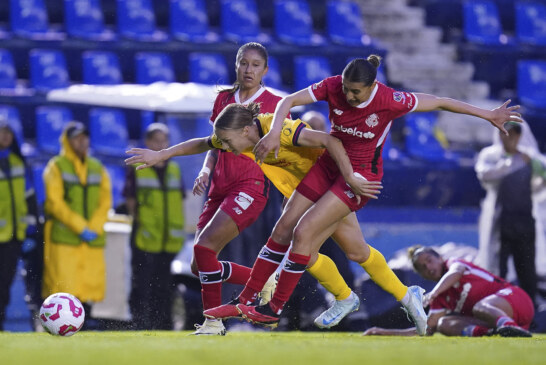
(62,314)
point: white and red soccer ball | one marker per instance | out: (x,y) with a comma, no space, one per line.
(62,314)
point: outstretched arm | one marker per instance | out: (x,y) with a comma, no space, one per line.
(359,185)
(271,141)
(449,279)
(497,116)
(149,157)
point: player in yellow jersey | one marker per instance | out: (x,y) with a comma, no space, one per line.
(237,129)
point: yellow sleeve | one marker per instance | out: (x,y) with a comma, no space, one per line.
(99,218)
(290,132)
(55,205)
(214,142)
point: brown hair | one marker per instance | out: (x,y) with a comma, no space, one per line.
(362,70)
(416,250)
(237,116)
(255,46)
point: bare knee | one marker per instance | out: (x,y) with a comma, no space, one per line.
(358,255)
(302,236)
(445,327)
(282,233)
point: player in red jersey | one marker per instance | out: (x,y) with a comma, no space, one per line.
(238,190)
(361,113)
(468,300)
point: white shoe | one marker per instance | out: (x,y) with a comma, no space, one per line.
(210,327)
(269,289)
(341,308)
(415,309)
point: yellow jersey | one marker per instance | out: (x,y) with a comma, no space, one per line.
(293,162)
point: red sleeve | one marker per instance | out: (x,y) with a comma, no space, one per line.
(440,303)
(321,89)
(400,102)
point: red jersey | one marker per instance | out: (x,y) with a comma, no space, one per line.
(231,169)
(363,129)
(475,284)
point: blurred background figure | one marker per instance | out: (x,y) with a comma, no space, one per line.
(78,197)
(13,211)
(511,170)
(155,201)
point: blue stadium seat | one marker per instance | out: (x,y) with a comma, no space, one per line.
(531,23)
(273,76)
(345,24)
(84,19)
(152,67)
(108,131)
(50,121)
(241,23)
(208,68)
(38,180)
(189,22)
(117,179)
(48,70)
(29,19)
(481,22)
(101,68)
(11,114)
(420,139)
(136,20)
(309,69)
(532,83)
(294,25)
(8,75)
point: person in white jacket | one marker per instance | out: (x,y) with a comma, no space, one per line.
(512,171)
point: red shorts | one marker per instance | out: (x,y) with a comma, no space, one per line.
(243,204)
(521,304)
(324,176)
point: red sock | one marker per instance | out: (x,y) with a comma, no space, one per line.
(266,263)
(290,275)
(234,273)
(210,275)
(475,331)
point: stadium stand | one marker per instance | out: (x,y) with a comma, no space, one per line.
(189,22)
(84,19)
(108,132)
(240,22)
(101,68)
(8,75)
(208,68)
(50,121)
(136,20)
(152,67)
(48,70)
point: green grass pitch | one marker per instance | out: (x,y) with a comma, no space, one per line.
(278,348)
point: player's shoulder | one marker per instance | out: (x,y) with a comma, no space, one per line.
(225,97)
(268,95)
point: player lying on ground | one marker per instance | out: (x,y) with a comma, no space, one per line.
(238,128)
(468,300)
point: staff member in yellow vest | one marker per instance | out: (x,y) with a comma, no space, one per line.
(155,200)
(13,209)
(78,197)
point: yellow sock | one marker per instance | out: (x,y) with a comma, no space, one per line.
(376,266)
(325,271)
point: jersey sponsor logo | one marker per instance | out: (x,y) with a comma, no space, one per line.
(399,96)
(338,112)
(317,85)
(243,200)
(353,131)
(372,120)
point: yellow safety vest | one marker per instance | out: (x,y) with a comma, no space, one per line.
(13,204)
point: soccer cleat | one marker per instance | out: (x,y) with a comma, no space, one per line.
(210,327)
(341,308)
(415,309)
(512,331)
(262,315)
(225,311)
(269,289)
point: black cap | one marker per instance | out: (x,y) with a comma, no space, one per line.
(75,128)
(513,126)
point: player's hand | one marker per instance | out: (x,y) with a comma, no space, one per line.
(265,145)
(375,331)
(503,114)
(428,298)
(143,156)
(362,187)
(201,183)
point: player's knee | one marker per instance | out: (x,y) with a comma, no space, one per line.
(302,235)
(480,309)
(359,255)
(445,326)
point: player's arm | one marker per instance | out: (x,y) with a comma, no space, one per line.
(203,178)
(452,276)
(497,116)
(149,158)
(432,324)
(359,185)
(271,141)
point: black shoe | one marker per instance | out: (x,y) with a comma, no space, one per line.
(513,331)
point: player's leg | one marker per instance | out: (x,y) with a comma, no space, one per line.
(457,325)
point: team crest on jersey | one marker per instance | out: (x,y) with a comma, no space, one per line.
(317,85)
(338,112)
(399,96)
(372,120)
(243,200)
